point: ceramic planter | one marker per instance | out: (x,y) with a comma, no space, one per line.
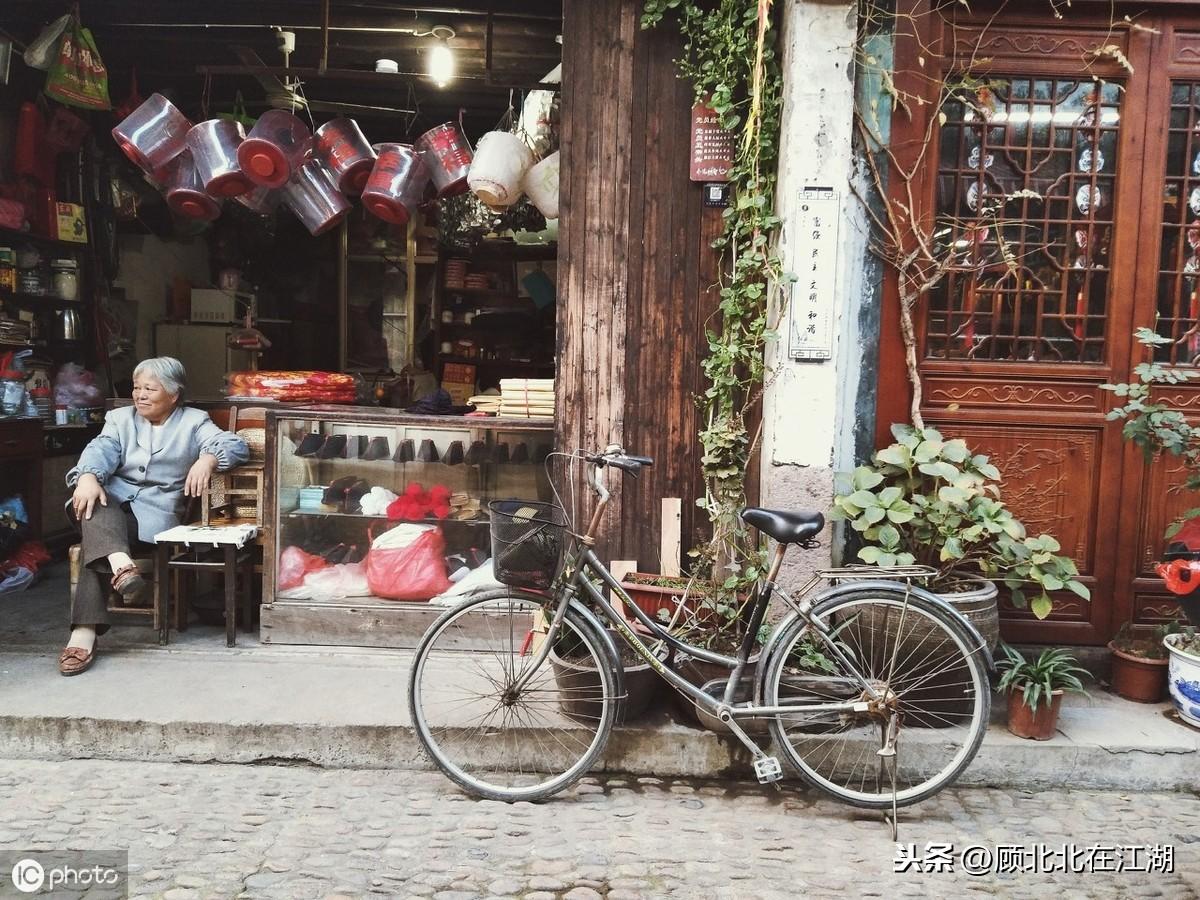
(1137,678)
(641,687)
(1183,677)
(713,678)
(1037,726)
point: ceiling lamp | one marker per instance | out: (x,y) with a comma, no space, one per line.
(441,58)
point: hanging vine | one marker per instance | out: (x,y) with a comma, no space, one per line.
(729,55)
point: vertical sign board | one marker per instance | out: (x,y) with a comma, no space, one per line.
(712,147)
(815,239)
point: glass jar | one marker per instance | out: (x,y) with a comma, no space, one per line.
(66,279)
(8,270)
(30,281)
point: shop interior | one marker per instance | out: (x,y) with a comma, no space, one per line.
(417,305)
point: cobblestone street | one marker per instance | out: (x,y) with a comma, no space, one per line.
(196,831)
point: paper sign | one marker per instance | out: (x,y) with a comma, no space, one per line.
(815,239)
(712,146)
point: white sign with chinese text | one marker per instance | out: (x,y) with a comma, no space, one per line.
(815,239)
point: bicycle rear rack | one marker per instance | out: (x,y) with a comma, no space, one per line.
(875,573)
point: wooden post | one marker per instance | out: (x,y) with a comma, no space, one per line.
(670,545)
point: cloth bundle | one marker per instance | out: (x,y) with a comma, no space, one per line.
(527,398)
(294,387)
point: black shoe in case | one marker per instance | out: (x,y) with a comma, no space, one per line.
(334,447)
(405,452)
(378,449)
(311,444)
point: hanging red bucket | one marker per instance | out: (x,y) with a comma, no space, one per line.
(340,144)
(397,183)
(274,149)
(153,135)
(313,196)
(185,191)
(448,155)
(214,151)
(261,200)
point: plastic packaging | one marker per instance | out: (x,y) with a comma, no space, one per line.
(75,387)
(261,200)
(448,156)
(294,565)
(153,135)
(274,149)
(214,151)
(397,183)
(500,163)
(42,49)
(185,191)
(407,563)
(541,184)
(313,196)
(340,144)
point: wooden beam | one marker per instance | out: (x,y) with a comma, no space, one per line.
(671,540)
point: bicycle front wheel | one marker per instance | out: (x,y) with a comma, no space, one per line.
(498,729)
(930,688)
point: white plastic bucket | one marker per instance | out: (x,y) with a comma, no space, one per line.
(313,196)
(153,135)
(500,163)
(541,184)
(214,150)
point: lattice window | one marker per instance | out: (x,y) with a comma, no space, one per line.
(1026,178)
(1179,258)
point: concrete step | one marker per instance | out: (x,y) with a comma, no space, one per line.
(340,707)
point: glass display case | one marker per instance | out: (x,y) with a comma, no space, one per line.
(380,519)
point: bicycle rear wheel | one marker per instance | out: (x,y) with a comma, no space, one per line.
(918,660)
(497,741)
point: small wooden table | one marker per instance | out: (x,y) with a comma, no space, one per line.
(236,543)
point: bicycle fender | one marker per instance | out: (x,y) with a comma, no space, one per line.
(967,630)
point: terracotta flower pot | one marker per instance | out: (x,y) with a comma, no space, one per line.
(1137,678)
(641,687)
(1025,723)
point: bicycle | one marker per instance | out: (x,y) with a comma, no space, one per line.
(514,692)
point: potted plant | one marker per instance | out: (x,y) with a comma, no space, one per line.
(1139,663)
(1184,673)
(930,501)
(1035,690)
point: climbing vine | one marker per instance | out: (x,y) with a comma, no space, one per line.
(730,57)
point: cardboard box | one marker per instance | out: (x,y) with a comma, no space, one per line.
(71,223)
(210,305)
(458,380)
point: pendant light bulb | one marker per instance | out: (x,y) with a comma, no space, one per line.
(441,64)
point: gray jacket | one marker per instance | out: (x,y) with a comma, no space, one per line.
(121,458)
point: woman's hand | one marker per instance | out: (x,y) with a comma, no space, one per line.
(87,492)
(199,475)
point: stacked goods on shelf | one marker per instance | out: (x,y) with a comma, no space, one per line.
(527,398)
(486,403)
(456,273)
(294,387)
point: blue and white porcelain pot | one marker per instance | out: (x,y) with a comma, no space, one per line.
(1183,679)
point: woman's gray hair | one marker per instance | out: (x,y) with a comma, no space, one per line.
(168,370)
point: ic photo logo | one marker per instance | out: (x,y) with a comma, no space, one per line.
(28,876)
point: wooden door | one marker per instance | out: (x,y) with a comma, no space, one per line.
(1039,167)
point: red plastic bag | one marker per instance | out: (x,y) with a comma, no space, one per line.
(30,555)
(294,564)
(408,563)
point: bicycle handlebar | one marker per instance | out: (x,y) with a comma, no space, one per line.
(617,458)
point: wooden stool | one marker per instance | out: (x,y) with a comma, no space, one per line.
(236,495)
(237,551)
(154,614)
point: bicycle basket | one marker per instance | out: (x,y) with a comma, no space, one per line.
(528,539)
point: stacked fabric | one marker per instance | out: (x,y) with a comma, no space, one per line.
(527,398)
(486,403)
(293,387)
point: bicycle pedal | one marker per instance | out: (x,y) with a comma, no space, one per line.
(767,769)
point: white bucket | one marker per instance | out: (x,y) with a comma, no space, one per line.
(500,163)
(541,184)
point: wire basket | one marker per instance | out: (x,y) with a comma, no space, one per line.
(528,539)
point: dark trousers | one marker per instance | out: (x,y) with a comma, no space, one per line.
(111,529)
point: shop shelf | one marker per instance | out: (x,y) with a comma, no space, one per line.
(10,237)
(33,301)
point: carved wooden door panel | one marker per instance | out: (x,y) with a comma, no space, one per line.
(1168,301)
(1038,182)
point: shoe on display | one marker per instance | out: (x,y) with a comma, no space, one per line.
(355,493)
(310,444)
(500,453)
(356,446)
(378,448)
(335,494)
(520,454)
(477,454)
(454,454)
(405,452)
(428,452)
(334,447)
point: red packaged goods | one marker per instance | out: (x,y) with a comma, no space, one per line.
(306,386)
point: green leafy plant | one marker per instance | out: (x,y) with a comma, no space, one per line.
(1053,670)
(1152,424)
(1188,642)
(1145,645)
(729,56)
(929,501)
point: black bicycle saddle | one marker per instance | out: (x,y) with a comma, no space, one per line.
(785,527)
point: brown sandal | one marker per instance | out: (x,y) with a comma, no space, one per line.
(76,660)
(129,583)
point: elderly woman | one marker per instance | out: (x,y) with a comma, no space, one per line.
(131,483)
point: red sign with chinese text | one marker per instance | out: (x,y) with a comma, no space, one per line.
(712,147)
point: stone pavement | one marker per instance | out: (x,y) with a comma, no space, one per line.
(196,832)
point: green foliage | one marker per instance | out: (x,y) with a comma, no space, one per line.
(930,501)
(1054,670)
(729,56)
(1188,641)
(1149,644)
(1152,424)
